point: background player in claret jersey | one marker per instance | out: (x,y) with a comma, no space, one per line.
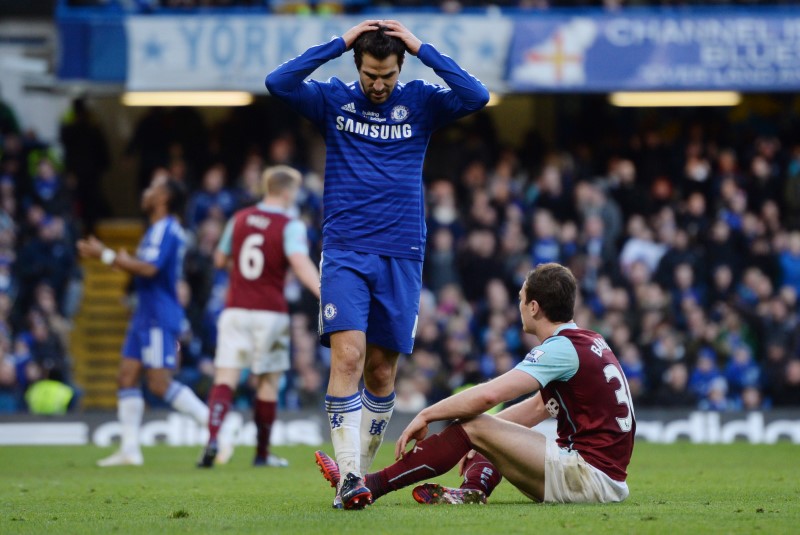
(376,131)
(575,378)
(260,243)
(151,344)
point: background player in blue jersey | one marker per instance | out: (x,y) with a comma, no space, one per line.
(376,130)
(151,342)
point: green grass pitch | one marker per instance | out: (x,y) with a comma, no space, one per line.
(675,489)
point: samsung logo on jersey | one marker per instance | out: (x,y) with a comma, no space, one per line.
(375,131)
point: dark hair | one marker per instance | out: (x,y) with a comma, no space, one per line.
(378,45)
(554,287)
(177,196)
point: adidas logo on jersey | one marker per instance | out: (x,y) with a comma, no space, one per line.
(350,106)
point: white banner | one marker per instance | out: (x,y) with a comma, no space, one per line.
(236,52)
(311,428)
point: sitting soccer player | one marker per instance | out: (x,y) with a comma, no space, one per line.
(575,378)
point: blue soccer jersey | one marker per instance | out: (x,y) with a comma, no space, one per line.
(163,246)
(373,173)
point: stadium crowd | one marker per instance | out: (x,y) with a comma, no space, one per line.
(39,275)
(682,229)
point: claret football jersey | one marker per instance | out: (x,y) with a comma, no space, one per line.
(585,390)
(259,240)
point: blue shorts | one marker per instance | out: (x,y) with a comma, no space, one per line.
(375,294)
(153,346)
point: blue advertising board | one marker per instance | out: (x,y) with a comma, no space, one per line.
(649,50)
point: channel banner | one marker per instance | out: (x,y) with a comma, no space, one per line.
(235,52)
(680,50)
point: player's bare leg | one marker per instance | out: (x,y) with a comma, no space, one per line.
(130,409)
(264,411)
(343,404)
(517,451)
(219,403)
(158,380)
(377,399)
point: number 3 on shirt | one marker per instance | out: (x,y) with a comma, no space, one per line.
(623,395)
(251,257)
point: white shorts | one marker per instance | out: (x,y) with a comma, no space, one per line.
(568,478)
(258,339)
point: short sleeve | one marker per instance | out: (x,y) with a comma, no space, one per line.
(554,360)
(224,245)
(295,238)
(160,245)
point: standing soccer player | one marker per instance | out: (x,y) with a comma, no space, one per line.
(376,130)
(575,378)
(151,343)
(263,242)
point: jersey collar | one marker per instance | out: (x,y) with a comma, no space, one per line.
(570,325)
(271,209)
(398,88)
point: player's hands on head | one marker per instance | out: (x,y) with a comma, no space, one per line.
(90,247)
(416,431)
(352,34)
(395,28)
